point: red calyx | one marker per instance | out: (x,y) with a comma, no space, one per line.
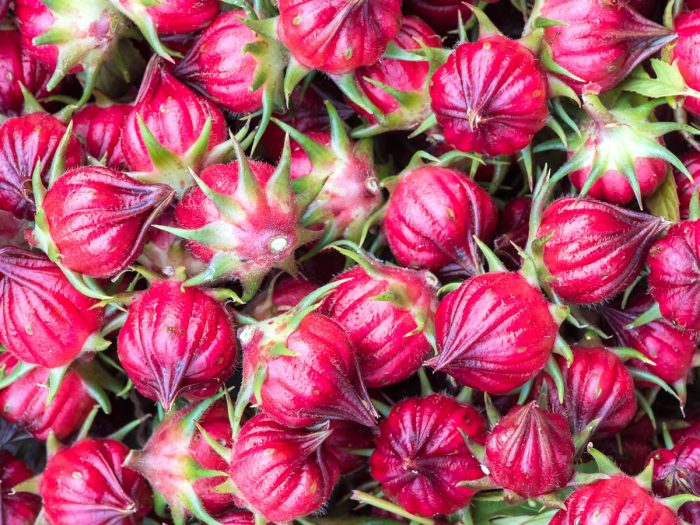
(86,483)
(494,333)
(677,471)
(687,25)
(421,454)
(44,320)
(388,313)
(513,229)
(16,508)
(596,249)
(601,41)
(685,187)
(618,500)
(432,218)
(346,437)
(443,15)
(282,473)
(98,218)
(101,129)
(674,274)
(354,33)
(174,17)
(478,117)
(28,140)
(177,342)
(281,296)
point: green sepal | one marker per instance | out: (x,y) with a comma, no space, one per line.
(648,377)
(694,212)
(581,439)
(55,379)
(676,502)
(121,433)
(495,264)
(626,353)
(553,370)
(652,314)
(346,83)
(664,202)
(294,74)
(374,501)
(143,21)
(20,370)
(605,466)
(31,105)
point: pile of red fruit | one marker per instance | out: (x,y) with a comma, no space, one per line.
(349,262)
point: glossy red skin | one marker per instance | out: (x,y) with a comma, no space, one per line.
(443,15)
(596,386)
(636,440)
(513,228)
(601,42)
(17,65)
(530,451)
(494,332)
(174,115)
(353,33)
(100,127)
(674,274)
(686,55)
(596,249)
(345,437)
(86,483)
(236,517)
(321,382)
(25,141)
(403,75)
(283,294)
(684,186)
(498,85)
(432,218)
(177,342)
(280,472)
(618,500)
(382,333)
(670,348)
(44,320)
(174,17)
(421,454)
(16,508)
(24,402)
(98,218)
(677,471)
(217,65)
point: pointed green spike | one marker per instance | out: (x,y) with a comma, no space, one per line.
(247,190)
(605,466)
(346,84)
(147,28)
(222,451)
(268,106)
(56,376)
(625,162)
(486,26)
(317,152)
(643,375)
(652,314)
(120,434)
(405,98)
(266,27)
(56,34)
(575,163)
(87,424)
(208,234)
(159,155)
(694,213)
(491,411)
(199,148)
(59,158)
(20,370)
(367,499)
(225,204)
(625,354)
(550,64)
(294,74)
(429,122)
(192,502)
(222,265)
(582,438)
(554,372)
(31,105)
(676,502)
(340,142)
(495,264)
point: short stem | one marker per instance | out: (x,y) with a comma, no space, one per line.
(382,504)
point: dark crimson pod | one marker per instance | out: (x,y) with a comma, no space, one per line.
(98,218)
(600,41)
(100,127)
(530,451)
(280,296)
(421,455)
(24,402)
(171,17)
(597,386)
(236,517)
(443,15)
(26,141)
(87,483)
(282,473)
(594,249)
(44,320)
(177,342)
(490,97)
(618,500)
(677,471)
(16,507)
(686,187)
(354,33)
(495,332)
(433,215)
(388,312)
(674,274)
(513,230)
(685,53)
(346,437)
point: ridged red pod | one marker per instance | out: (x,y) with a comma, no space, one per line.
(618,500)
(674,272)
(597,386)
(98,218)
(86,483)
(177,342)
(346,437)
(596,249)
(685,55)
(282,473)
(236,517)
(421,454)
(218,64)
(530,451)
(385,311)
(44,320)
(677,471)
(17,65)
(513,229)
(24,402)
(354,33)
(16,508)
(282,295)
(443,15)
(490,97)
(175,116)
(26,141)
(174,17)
(315,379)
(494,332)
(684,186)
(100,127)
(601,41)
(671,349)
(432,218)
